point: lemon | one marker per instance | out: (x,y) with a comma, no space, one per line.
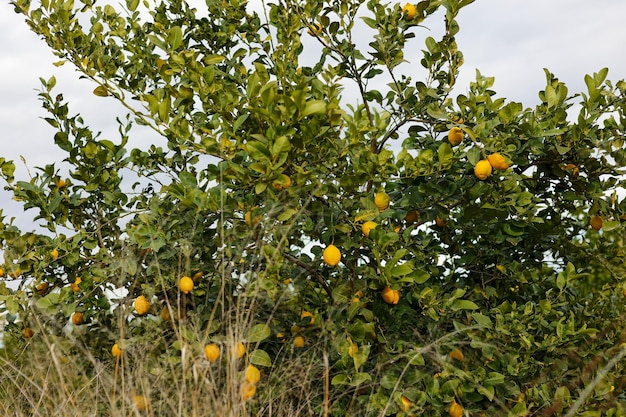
(197,276)
(247,391)
(141,305)
(455,136)
(391,296)
(55,254)
(60,183)
(367,227)
(238,350)
(409,11)
(298,341)
(165,314)
(282,182)
(42,288)
(116,351)
(315,29)
(406,403)
(310,316)
(498,161)
(483,169)
(1,272)
(212,352)
(596,222)
(331,255)
(185,285)
(457,354)
(77,318)
(141,402)
(381,200)
(455,409)
(253,375)
(74,284)
(249,220)
(28,333)
(412,216)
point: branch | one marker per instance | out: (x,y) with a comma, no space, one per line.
(313,272)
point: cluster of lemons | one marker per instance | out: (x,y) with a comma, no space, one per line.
(484,167)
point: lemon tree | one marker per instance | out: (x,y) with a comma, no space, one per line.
(447,253)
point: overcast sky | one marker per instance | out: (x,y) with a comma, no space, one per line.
(512,40)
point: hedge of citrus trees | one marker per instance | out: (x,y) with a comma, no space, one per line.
(305,196)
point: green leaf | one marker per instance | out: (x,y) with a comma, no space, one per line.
(401,270)
(258,333)
(260,357)
(101,91)
(175,37)
(487,391)
(314,107)
(463,305)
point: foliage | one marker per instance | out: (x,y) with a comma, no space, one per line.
(263,157)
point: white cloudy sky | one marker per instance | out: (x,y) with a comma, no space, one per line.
(512,40)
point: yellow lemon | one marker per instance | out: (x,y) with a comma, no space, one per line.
(483,169)
(28,333)
(185,285)
(247,390)
(381,199)
(77,318)
(212,352)
(60,183)
(253,375)
(455,136)
(455,409)
(310,316)
(197,276)
(74,284)
(238,350)
(55,254)
(498,161)
(367,227)
(298,341)
(331,255)
(116,351)
(596,222)
(409,11)
(457,354)
(141,402)
(406,403)
(315,29)
(391,296)
(141,305)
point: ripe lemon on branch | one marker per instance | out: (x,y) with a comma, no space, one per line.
(455,136)
(483,169)
(331,255)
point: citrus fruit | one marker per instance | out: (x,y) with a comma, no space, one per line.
(483,169)
(331,255)
(249,220)
(185,285)
(315,29)
(310,316)
(28,333)
(197,276)
(165,314)
(1,272)
(596,222)
(455,409)
(391,296)
(298,341)
(409,11)
(367,227)
(412,216)
(141,402)
(381,199)
(238,350)
(42,288)
(212,352)
(55,254)
(498,161)
(406,403)
(253,375)
(116,351)
(282,182)
(77,318)
(457,354)
(74,284)
(60,183)
(247,390)
(455,136)
(141,305)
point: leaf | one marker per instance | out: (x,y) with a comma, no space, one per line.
(401,270)
(314,107)
(260,357)
(175,37)
(463,305)
(101,91)
(258,333)
(487,391)
(493,378)
(482,320)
